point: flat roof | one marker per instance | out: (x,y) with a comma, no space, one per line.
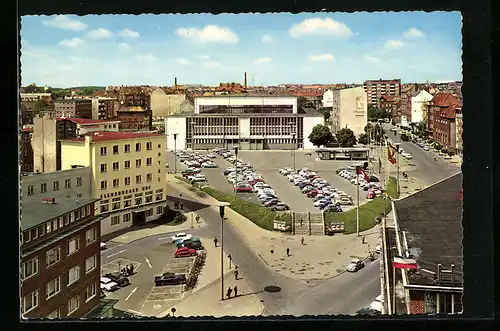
(251,95)
(341,149)
(35,211)
(432,222)
(85,121)
(191,114)
(99,136)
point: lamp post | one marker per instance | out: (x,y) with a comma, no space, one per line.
(175,152)
(192,134)
(222,206)
(397,165)
(293,150)
(236,171)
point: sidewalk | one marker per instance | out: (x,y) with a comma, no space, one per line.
(208,302)
(321,257)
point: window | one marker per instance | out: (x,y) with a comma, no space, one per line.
(116,182)
(29,268)
(48,227)
(138,179)
(104,184)
(53,287)
(127,181)
(116,166)
(115,149)
(34,234)
(90,236)
(73,245)
(30,189)
(127,201)
(149,146)
(55,225)
(103,151)
(90,292)
(126,218)
(43,187)
(159,195)
(67,183)
(149,177)
(138,147)
(159,154)
(149,161)
(71,217)
(115,220)
(116,203)
(73,304)
(127,164)
(78,181)
(56,186)
(127,148)
(104,206)
(87,210)
(55,314)
(430,304)
(159,145)
(104,167)
(30,302)
(65,219)
(149,212)
(53,256)
(138,163)
(73,274)
(90,263)
(138,201)
(159,210)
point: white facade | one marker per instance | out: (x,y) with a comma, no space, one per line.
(244,101)
(418,106)
(349,110)
(328,99)
(175,125)
(309,124)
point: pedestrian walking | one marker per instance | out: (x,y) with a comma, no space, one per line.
(236,273)
(235,291)
(288,252)
(362,239)
(302,240)
(228,293)
(197,218)
(182,205)
(215,241)
(131,269)
(301,221)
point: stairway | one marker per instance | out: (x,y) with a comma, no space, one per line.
(312,224)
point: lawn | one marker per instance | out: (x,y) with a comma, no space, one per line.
(367,212)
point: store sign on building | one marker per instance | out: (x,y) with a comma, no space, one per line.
(360,110)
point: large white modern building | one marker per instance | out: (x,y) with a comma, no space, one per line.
(419,106)
(250,122)
(349,109)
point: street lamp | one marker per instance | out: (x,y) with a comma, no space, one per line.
(192,134)
(175,152)
(236,171)
(293,150)
(222,206)
(397,163)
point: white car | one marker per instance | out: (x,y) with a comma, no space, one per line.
(321,201)
(198,178)
(103,245)
(408,156)
(377,304)
(108,285)
(377,249)
(181,236)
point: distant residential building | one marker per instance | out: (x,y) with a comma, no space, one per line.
(104,108)
(391,105)
(375,89)
(163,104)
(26,150)
(459,130)
(134,99)
(349,109)
(229,88)
(128,172)
(34,97)
(79,108)
(441,124)
(135,118)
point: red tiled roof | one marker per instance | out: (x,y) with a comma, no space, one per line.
(109,136)
(450,111)
(444,100)
(309,94)
(84,121)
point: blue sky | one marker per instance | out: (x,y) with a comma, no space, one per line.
(208,49)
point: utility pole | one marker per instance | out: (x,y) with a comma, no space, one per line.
(236,171)
(397,166)
(222,206)
(175,153)
(192,134)
(357,199)
(294,147)
(291,148)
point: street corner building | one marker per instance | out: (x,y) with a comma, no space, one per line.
(250,122)
(428,233)
(349,109)
(128,175)
(60,256)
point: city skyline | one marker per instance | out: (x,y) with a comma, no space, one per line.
(63,51)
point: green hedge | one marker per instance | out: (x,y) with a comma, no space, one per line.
(367,212)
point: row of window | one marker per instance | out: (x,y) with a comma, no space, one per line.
(115,220)
(127,181)
(126,164)
(55,224)
(30,268)
(126,148)
(55,185)
(31,301)
(116,203)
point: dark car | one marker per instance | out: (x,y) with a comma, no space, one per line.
(333,209)
(280,207)
(373,179)
(303,184)
(312,193)
(367,311)
(271,202)
(194,243)
(118,278)
(170,278)
(307,189)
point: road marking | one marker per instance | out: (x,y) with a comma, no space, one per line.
(148,263)
(133,291)
(123,250)
(134,311)
(164,238)
(157,306)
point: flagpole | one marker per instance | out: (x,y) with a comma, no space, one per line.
(357,202)
(397,161)
(393,288)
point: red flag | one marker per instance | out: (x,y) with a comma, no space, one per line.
(401,263)
(461,194)
(390,154)
(359,170)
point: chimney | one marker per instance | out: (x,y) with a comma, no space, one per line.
(175,82)
(452,273)
(438,274)
(245,80)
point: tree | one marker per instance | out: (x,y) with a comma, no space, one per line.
(40,106)
(326,112)
(346,138)
(60,94)
(363,139)
(320,135)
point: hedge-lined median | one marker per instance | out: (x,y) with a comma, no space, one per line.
(367,212)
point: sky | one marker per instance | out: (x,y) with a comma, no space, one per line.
(309,48)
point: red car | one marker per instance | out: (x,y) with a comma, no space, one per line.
(243,188)
(312,193)
(184,251)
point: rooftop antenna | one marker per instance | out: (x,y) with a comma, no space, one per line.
(253,79)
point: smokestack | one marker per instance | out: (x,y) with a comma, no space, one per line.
(245,80)
(175,82)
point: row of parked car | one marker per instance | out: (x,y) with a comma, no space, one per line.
(325,196)
(372,186)
(196,159)
(405,153)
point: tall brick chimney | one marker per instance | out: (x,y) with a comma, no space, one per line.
(245,80)
(175,82)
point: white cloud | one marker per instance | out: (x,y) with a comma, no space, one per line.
(372,59)
(413,33)
(64,23)
(209,34)
(321,58)
(319,26)
(123,46)
(267,39)
(184,62)
(203,57)
(100,33)
(390,44)
(127,33)
(212,64)
(146,57)
(263,60)
(74,42)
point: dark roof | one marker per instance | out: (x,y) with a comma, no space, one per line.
(35,211)
(432,222)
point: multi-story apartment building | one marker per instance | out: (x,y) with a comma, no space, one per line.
(141,98)
(418,106)
(60,257)
(459,129)
(26,150)
(375,89)
(349,109)
(105,108)
(163,105)
(441,125)
(135,118)
(34,97)
(79,108)
(391,105)
(250,122)
(128,171)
